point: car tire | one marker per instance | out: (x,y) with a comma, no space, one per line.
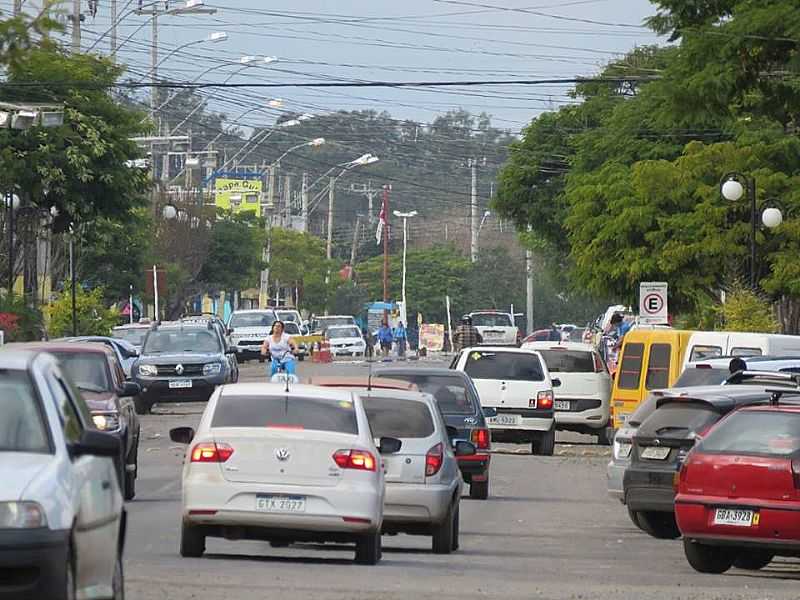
(443,534)
(634,516)
(753,560)
(544,443)
(301,357)
(129,491)
(368,549)
(708,559)
(193,541)
(118,583)
(456,528)
(660,525)
(142,406)
(479,490)
(605,436)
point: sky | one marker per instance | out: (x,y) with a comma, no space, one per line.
(378,40)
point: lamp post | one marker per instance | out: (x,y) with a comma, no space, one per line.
(405,216)
(733,187)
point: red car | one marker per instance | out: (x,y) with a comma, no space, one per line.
(738,501)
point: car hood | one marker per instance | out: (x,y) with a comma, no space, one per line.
(99,401)
(261,331)
(187,358)
(18,470)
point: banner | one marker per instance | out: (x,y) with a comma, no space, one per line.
(239,195)
(431,336)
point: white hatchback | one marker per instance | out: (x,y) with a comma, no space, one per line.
(515,385)
(267,464)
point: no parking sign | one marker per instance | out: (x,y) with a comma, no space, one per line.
(653,303)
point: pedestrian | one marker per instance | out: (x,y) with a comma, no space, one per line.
(466,335)
(385,338)
(369,341)
(400,338)
(737,364)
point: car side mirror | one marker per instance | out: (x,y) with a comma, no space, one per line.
(130,388)
(96,443)
(451,431)
(556,382)
(181,435)
(464,448)
(132,353)
(389,445)
(489,412)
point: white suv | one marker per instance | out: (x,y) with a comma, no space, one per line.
(515,385)
(496,328)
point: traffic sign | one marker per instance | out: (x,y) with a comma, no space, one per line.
(653,303)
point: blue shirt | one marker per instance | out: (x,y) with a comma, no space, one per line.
(400,332)
(385,334)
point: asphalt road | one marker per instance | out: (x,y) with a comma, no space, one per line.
(548,531)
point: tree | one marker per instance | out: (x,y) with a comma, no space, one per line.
(94,317)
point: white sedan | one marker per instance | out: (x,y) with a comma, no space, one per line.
(297,466)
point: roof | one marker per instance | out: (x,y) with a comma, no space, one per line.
(279,389)
(66,347)
(545,345)
(133,326)
(502,349)
(253,310)
(435,371)
(322,317)
(383,383)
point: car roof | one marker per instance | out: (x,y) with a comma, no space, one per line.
(437,371)
(342,326)
(506,349)
(67,347)
(545,345)
(253,310)
(359,382)
(322,317)
(780,407)
(132,326)
(279,389)
(13,357)
(410,395)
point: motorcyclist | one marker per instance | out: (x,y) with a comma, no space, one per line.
(466,335)
(281,348)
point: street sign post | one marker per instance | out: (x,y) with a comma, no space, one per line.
(653,308)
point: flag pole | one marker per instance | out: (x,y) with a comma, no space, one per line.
(385,211)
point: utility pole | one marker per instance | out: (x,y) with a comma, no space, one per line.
(473,204)
(114,30)
(17,7)
(287,201)
(529,288)
(331,194)
(354,247)
(304,200)
(76,25)
(273,173)
(385,211)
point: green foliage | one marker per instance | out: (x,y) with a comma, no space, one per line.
(93,316)
(348,299)
(744,310)
(22,323)
(234,254)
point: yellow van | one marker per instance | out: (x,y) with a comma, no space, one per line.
(650,359)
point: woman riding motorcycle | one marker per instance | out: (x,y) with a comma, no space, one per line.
(281,348)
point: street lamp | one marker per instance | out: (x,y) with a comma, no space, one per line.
(215,38)
(405,216)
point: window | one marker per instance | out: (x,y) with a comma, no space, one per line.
(22,426)
(768,433)
(179,341)
(568,361)
(333,333)
(693,377)
(265,319)
(291,328)
(134,336)
(508,366)
(87,370)
(398,418)
(630,370)
(451,393)
(704,352)
(285,412)
(658,367)
(70,420)
(491,320)
(746,352)
(679,417)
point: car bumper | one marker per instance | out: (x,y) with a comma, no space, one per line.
(348,351)
(591,418)
(475,467)
(247,350)
(32,563)
(649,490)
(526,425)
(615,473)
(417,503)
(157,389)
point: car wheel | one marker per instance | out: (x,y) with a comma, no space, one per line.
(479,490)
(456,528)
(635,518)
(753,560)
(544,443)
(443,534)
(301,357)
(368,549)
(193,542)
(605,436)
(118,583)
(142,406)
(660,525)
(708,559)
(129,491)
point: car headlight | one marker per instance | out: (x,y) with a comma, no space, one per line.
(622,449)
(148,370)
(22,515)
(106,421)
(212,368)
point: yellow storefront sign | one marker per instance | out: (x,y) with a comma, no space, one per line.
(239,195)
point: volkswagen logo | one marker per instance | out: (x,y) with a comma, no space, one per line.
(282,454)
(179,369)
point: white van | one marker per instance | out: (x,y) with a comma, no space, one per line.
(705,345)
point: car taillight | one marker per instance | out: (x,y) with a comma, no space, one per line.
(211,452)
(544,399)
(796,474)
(433,460)
(481,439)
(360,460)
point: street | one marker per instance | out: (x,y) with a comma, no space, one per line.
(548,531)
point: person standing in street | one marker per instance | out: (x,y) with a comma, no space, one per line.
(466,335)
(400,338)
(385,338)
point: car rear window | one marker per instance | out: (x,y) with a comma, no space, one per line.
(658,367)
(133,335)
(265,319)
(87,370)
(644,410)
(630,370)
(704,352)
(766,433)
(491,320)
(509,366)
(179,341)
(398,418)
(746,352)
(285,412)
(451,393)
(568,361)
(677,418)
(693,377)
(22,427)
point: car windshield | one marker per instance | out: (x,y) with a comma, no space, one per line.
(333,321)
(768,433)
(693,377)
(509,366)
(679,418)
(491,320)
(285,413)
(22,426)
(451,393)
(163,341)
(343,332)
(87,370)
(398,417)
(568,361)
(251,320)
(287,315)
(134,335)
(291,328)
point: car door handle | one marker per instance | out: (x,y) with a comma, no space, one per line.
(106,485)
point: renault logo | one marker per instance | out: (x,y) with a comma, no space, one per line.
(179,369)
(282,454)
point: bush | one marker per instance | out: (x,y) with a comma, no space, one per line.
(19,322)
(94,318)
(745,310)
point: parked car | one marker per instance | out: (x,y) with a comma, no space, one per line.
(289,315)
(661,444)
(126,352)
(292,328)
(247,330)
(181,361)
(321,323)
(345,340)
(712,344)
(540,335)
(460,406)
(739,491)
(283,467)
(133,333)
(62,519)
(517,385)
(582,401)
(95,371)
(496,328)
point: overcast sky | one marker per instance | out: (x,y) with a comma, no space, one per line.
(414,40)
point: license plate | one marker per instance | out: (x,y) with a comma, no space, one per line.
(735,517)
(505,420)
(561,404)
(180,383)
(655,452)
(281,504)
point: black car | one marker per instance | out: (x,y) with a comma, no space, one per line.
(459,404)
(182,361)
(662,443)
(214,322)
